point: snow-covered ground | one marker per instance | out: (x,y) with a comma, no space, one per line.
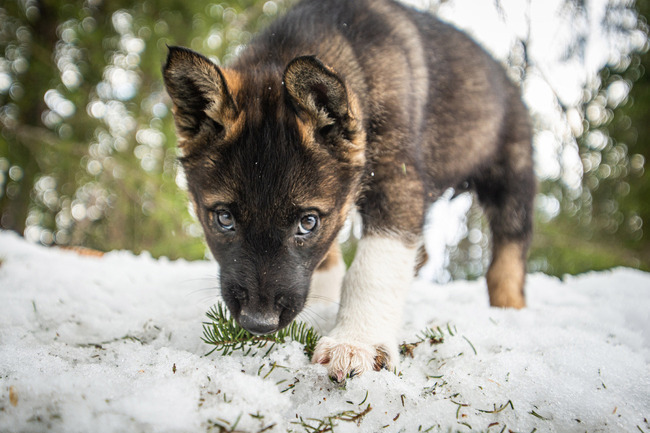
(113,344)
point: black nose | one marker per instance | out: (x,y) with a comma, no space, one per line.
(258,324)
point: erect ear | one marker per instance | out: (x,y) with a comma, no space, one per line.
(317,90)
(199,92)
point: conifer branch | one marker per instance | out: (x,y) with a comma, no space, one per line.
(227,336)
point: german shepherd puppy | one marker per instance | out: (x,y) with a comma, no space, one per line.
(338,105)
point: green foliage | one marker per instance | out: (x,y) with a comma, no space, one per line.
(348,250)
(223,332)
(563,247)
(88,147)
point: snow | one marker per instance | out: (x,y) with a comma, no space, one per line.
(113,344)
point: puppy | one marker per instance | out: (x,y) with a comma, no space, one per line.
(342,105)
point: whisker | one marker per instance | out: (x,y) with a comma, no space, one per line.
(204,296)
(200,278)
(205,289)
(314,314)
(306,317)
(325,299)
(206,302)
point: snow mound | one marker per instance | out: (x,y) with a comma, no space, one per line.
(113,344)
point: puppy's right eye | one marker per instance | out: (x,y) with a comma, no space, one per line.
(307,224)
(224,220)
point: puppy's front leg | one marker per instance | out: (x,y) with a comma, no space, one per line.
(374,288)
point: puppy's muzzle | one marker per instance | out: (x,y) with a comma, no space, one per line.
(257,323)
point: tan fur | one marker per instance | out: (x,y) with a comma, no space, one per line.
(232,120)
(332,258)
(421,259)
(233,81)
(306,131)
(505,278)
(357,154)
(233,126)
(209,199)
(382,360)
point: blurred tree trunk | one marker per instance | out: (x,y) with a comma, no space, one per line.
(638,139)
(26,140)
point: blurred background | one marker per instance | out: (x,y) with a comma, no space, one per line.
(88,152)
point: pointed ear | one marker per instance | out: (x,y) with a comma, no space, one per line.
(317,90)
(199,92)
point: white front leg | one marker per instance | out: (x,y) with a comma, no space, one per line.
(374,288)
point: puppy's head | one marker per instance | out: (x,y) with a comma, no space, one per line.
(273,158)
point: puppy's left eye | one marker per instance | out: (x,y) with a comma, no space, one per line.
(307,224)
(224,220)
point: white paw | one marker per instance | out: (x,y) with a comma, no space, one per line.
(347,359)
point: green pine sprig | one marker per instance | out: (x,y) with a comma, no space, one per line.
(226,335)
(433,336)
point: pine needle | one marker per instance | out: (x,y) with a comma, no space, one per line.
(222,332)
(327,424)
(431,335)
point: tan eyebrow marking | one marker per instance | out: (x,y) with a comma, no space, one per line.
(325,207)
(211,199)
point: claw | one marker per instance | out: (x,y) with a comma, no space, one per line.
(338,378)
